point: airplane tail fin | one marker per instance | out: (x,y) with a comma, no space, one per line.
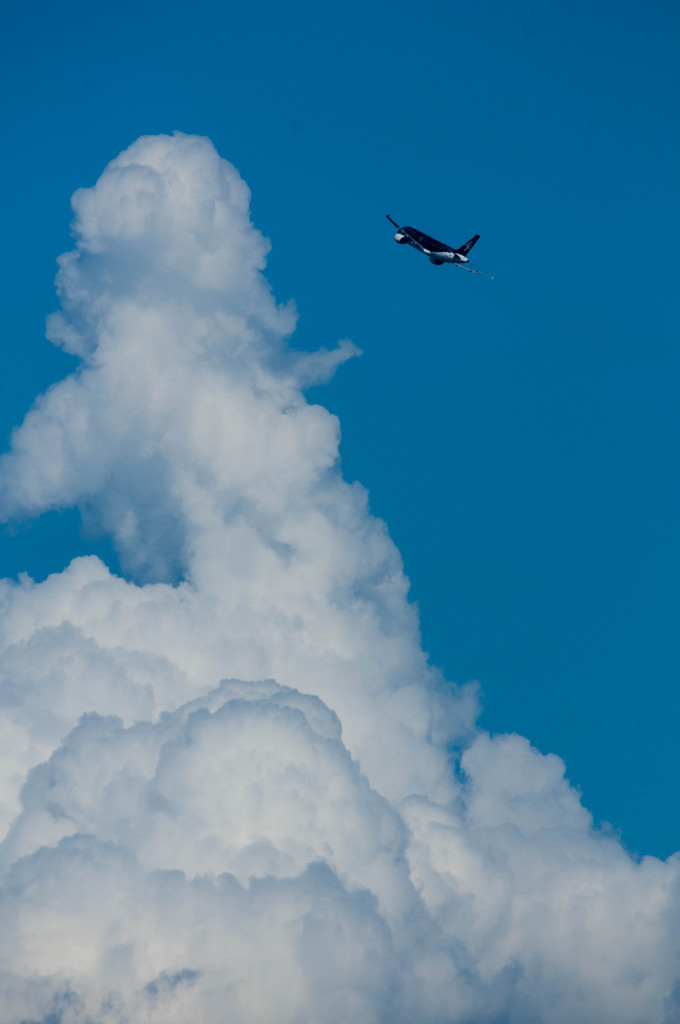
(464,249)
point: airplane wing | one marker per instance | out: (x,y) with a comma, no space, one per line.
(465,266)
(406,232)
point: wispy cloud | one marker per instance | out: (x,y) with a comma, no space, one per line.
(294,844)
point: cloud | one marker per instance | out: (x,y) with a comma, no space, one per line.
(231,785)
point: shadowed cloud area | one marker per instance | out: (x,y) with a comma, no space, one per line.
(231,785)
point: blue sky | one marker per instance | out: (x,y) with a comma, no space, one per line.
(519,436)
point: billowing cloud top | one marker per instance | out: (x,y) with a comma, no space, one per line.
(231,786)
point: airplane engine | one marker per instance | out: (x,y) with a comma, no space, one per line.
(402,239)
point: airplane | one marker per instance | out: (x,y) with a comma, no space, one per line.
(437,252)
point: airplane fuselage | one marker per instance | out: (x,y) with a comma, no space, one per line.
(437,252)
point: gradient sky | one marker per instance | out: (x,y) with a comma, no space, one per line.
(519,436)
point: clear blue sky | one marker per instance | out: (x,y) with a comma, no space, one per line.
(520,436)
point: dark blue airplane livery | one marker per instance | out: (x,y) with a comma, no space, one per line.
(437,252)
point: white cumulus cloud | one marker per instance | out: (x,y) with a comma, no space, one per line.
(231,785)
